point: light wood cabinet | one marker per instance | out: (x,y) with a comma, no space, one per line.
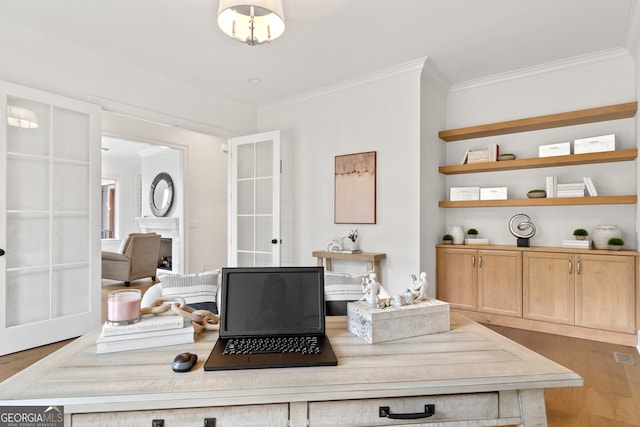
(588,294)
(594,291)
(488,281)
(605,297)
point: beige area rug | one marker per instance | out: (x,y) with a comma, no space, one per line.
(112,285)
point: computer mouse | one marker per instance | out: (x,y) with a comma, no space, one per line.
(184,362)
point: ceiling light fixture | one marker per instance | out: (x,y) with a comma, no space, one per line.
(256,23)
(21,117)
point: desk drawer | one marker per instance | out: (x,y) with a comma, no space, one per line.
(234,416)
(366,412)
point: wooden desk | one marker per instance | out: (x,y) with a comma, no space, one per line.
(471,374)
(372,259)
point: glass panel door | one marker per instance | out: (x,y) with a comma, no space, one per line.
(254,200)
(49,283)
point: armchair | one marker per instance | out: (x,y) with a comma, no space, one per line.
(138,258)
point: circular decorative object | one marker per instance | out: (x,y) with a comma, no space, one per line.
(161,196)
(521,226)
(602,233)
(506,156)
(537,194)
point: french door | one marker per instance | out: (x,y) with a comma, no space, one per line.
(49,218)
(254,200)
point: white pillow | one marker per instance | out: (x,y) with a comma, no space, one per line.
(199,290)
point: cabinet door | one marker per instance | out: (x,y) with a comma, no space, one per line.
(457,277)
(548,286)
(605,292)
(500,282)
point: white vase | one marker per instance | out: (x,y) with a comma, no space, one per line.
(602,233)
(458,234)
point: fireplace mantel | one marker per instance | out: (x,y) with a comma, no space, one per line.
(158,223)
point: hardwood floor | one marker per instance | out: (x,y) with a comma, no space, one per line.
(610,396)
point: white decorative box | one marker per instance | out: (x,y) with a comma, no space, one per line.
(464,193)
(595,144)
(376,325)
(494,193)
(550,150)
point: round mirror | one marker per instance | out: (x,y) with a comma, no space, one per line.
(161,195)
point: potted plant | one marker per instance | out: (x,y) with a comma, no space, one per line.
(353,236)
(447,239)
(615,243)
(472,233)
(580,233)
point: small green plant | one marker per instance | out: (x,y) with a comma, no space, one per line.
(447,238)
(580,232)
(472,232)
(615,241)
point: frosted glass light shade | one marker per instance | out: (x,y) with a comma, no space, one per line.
(255,23)
(21,117)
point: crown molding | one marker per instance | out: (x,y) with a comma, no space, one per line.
(571,65)
(435,78)
(415,66)
(632,30)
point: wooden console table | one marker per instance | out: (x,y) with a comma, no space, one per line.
(372,259)
(471,375)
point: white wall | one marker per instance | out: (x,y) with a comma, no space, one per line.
(377,113)
(591,81)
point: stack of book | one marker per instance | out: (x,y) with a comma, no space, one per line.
(581,244)
(570,190)
(489,154)
(150,331)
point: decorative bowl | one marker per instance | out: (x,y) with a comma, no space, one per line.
(537,194)
(506,156)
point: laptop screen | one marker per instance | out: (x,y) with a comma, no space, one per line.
(271,301)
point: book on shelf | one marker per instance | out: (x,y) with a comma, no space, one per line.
(465,157)
(114,343)
(570,190)
(148,323)
(581,244)
(551,186)
(348,251)
(489,154)
(591,189)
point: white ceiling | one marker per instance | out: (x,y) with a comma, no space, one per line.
(327,41)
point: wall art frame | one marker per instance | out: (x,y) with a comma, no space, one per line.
(355,188)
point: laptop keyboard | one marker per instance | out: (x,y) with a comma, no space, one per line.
(302,345)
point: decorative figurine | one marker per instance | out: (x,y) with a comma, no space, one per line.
(371,289)
(522,228)
(419,287)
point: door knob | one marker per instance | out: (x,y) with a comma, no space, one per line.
(1,252)
(274,241)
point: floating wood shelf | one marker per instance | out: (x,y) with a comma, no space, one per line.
(591,115)
(554,201)
(543,162)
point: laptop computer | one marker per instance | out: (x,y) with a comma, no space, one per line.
(270,302)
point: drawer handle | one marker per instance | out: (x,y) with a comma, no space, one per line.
(385,412)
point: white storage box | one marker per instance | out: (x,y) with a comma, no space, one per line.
(494,193)
(464,193)
(376,325)
(595,144)
(559,149)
